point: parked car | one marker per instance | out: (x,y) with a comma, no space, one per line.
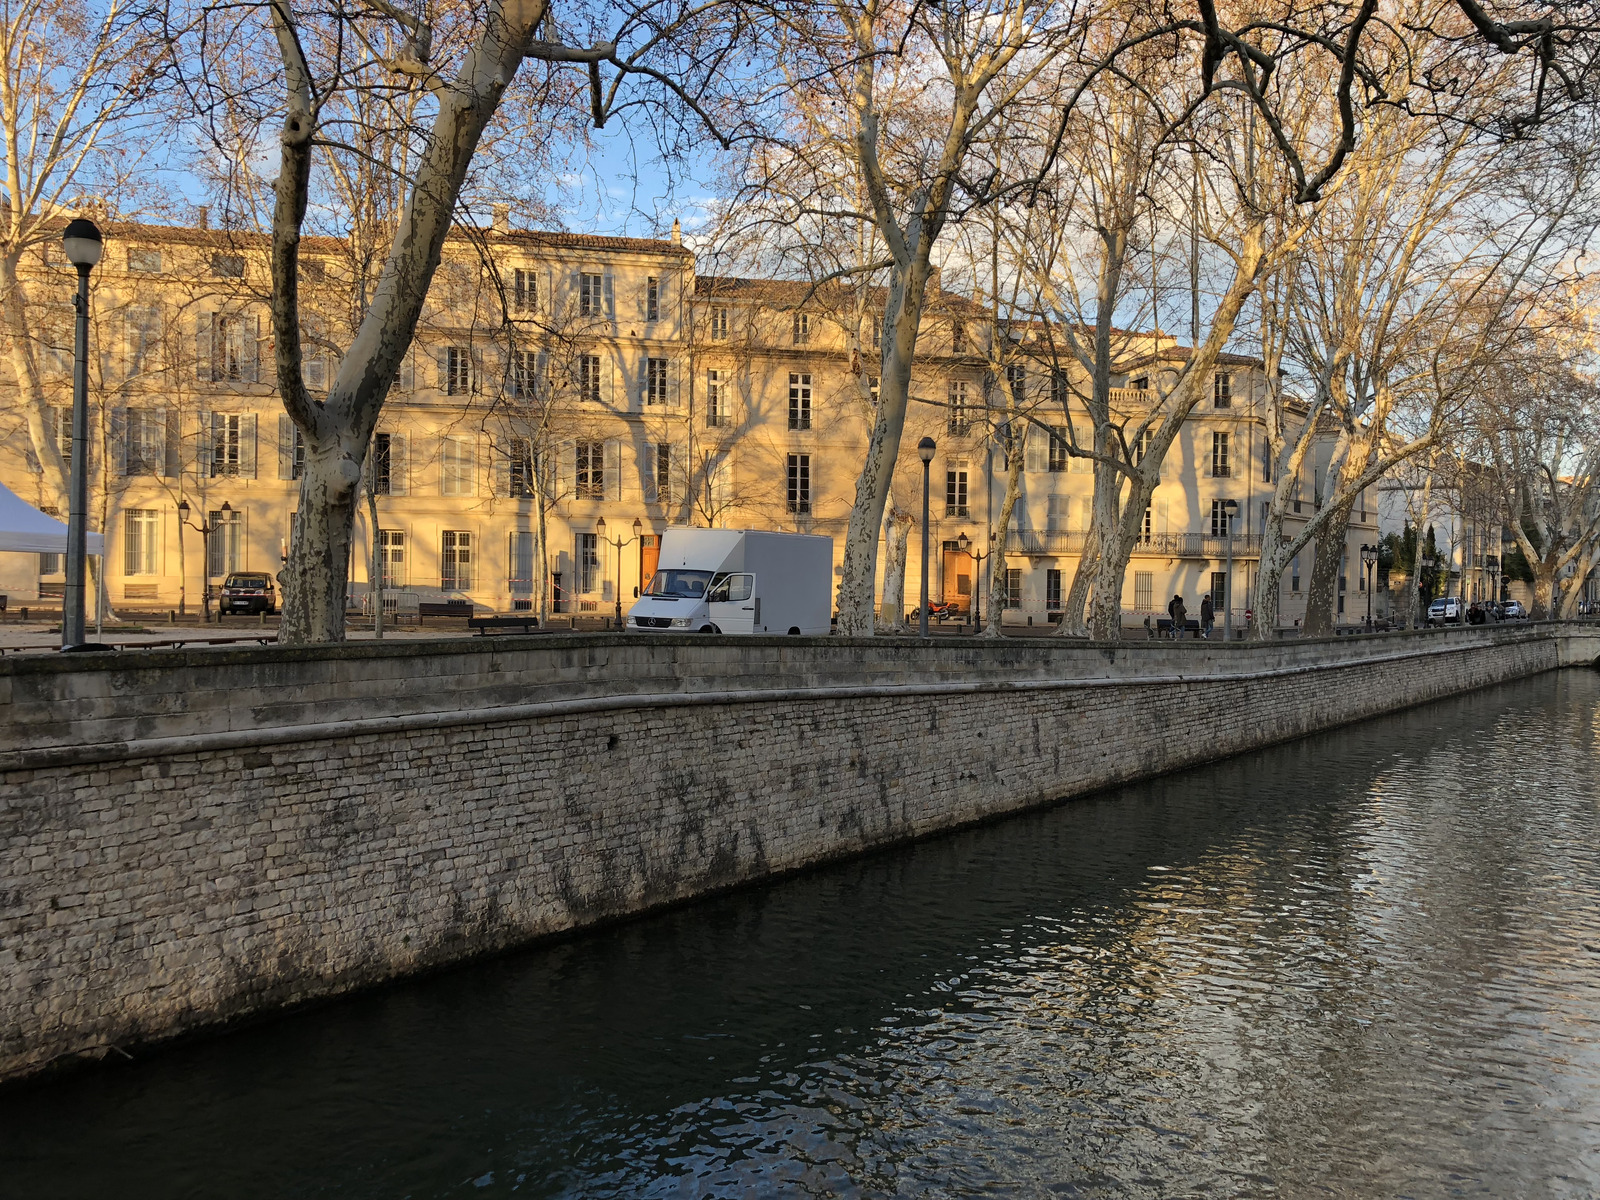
(1514,611)
(1445,611)
(247,591)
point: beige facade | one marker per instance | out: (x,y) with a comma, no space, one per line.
(597,388)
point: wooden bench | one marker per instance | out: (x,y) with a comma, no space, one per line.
(526,622)
(1164,627)
(448,608)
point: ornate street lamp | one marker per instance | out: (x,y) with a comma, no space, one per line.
(600,528)
(205,530)
(82,243)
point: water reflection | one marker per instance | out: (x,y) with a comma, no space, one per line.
(1360,965)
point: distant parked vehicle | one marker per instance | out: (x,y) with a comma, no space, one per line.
(1514,611)
(1445,611)
(247,591)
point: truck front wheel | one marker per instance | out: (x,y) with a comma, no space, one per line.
(708,629)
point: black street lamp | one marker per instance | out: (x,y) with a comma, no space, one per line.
(205,529)
(925,451)
(600,528)
(1369,559)
(83,246)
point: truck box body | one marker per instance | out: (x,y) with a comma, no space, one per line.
(738,581)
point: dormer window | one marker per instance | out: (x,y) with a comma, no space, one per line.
(1141,384)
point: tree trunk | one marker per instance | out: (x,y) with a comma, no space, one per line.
(541,560)
(319,555)
(903,315)
(338,431)
(1008,504)
(893,617)
(20,332)
(1323,590)
(1105,592)
(375,565)
(1544,589)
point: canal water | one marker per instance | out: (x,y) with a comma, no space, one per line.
(1365,964)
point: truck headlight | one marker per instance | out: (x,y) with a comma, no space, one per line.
(680,622)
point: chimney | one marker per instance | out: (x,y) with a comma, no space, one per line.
(677,232)
(502,218)
(202,216)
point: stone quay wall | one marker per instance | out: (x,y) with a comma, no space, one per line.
(189,838)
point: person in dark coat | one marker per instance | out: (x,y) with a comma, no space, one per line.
(1208,616)
(1179,615)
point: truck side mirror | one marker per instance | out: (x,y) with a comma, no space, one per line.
(635,593)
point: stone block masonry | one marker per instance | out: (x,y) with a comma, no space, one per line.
(193,837)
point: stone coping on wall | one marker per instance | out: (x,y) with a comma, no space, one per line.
(102,707)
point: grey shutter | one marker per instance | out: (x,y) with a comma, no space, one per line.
(204,330)
(119,439)
(647,473)
(612,479)
(674,378)
(171,441)
(500,475)
(406,378)
(205,443)
(247,445)
(252,362)
(641,300)
(609,283)
(441,366)
(1036,450)
(566,468)
(285,447)
(397,464)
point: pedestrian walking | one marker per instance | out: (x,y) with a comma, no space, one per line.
(1179,615)
(1208,616)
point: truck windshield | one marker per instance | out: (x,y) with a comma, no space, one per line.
(680,583)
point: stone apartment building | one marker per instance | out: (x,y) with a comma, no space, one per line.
(584,394)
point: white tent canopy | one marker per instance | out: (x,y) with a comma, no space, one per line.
(24,529)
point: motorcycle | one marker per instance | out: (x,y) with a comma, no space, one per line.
(937,611)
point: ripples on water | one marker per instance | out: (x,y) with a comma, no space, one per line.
(1361,965)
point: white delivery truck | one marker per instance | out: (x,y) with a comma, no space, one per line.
(738,581)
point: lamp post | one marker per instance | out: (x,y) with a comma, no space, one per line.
(925,449)
(83,246)
(600,528)
(205,530)
(977,579)
(1230,509)
(1369,559)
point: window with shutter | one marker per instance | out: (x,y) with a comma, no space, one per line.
(525,290)
(663,472)
(652,299)
(719,323)
(589,477)
(716,405)
(799,400)
(799,483)
(655,381)
(458,465)
(456,561)
(960,418)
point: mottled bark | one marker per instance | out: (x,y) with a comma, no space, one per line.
(892,619)
(338,430)
(1323,589)
(20,334)
(1008,505)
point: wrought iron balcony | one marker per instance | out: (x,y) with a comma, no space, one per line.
(1044,542)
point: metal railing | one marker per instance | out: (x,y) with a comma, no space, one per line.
(1156,545)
